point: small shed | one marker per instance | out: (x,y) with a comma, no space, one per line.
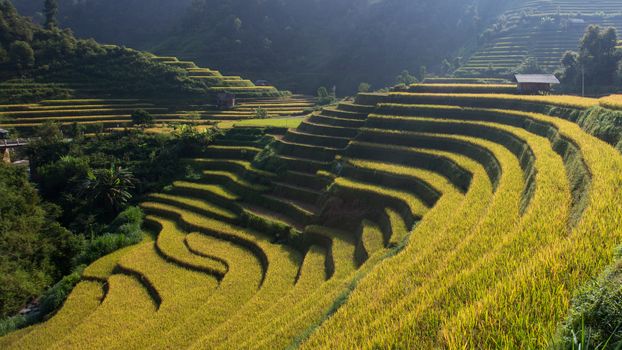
(4,134)
(576,22)
(535,83)
(226,100)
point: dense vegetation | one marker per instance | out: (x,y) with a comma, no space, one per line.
(83,185)
(596,64)
(93,178)
(52,55)
(297,45)
(35,250)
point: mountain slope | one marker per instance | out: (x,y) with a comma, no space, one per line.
(540,29)
(296,45)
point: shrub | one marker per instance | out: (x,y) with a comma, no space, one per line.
(124,230)
(141,117)
(596,317)
(323,97)
(405,78)
(261,113)
(364,87)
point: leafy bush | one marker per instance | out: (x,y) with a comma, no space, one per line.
(323,97)
(33,248)
(124,231)
(261,113)
(364,87)
(405,78)
(596,318)
(141,117)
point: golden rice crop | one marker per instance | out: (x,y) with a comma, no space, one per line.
(126,305)
(181,322)
(463,88)
(432,249)
(478,271)
(308,309)
(517,297)
(279,277)
(611,102)
(82,301)
(554,100)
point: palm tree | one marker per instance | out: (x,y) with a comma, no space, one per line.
(109,187)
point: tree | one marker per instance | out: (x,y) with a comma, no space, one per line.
(109,189)
(4,55)
(597,58)
(569,73)
(261,113)
(142,117)
(50,10)
(30,241)
(364,87)
(21,54)
(237,24)
(323,97)
(406,78)
(423,72)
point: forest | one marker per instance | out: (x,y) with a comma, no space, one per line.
(297,45)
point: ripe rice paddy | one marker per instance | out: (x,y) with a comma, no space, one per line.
(402,220)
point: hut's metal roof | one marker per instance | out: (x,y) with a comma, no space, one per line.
(536,78)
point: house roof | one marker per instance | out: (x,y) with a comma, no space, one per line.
(536,78)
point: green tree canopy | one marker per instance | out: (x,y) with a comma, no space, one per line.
(31,242)
(50,10)
(364,87)
(406,78)
(142,117)
(597,58)
(21,54)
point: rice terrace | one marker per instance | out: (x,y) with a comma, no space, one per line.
(353,174)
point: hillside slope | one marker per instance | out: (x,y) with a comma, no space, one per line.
(541,29)
(473,225)
(298,45)
(38,63)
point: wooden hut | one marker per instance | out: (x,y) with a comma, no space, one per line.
(535,83)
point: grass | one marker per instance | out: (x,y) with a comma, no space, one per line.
(463,88)
(289,123)
(466,99)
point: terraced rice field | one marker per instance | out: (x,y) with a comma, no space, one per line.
(528,35)
(217,81)
(114,113)
(398,220)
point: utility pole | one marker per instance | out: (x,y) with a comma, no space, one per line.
(583,80)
